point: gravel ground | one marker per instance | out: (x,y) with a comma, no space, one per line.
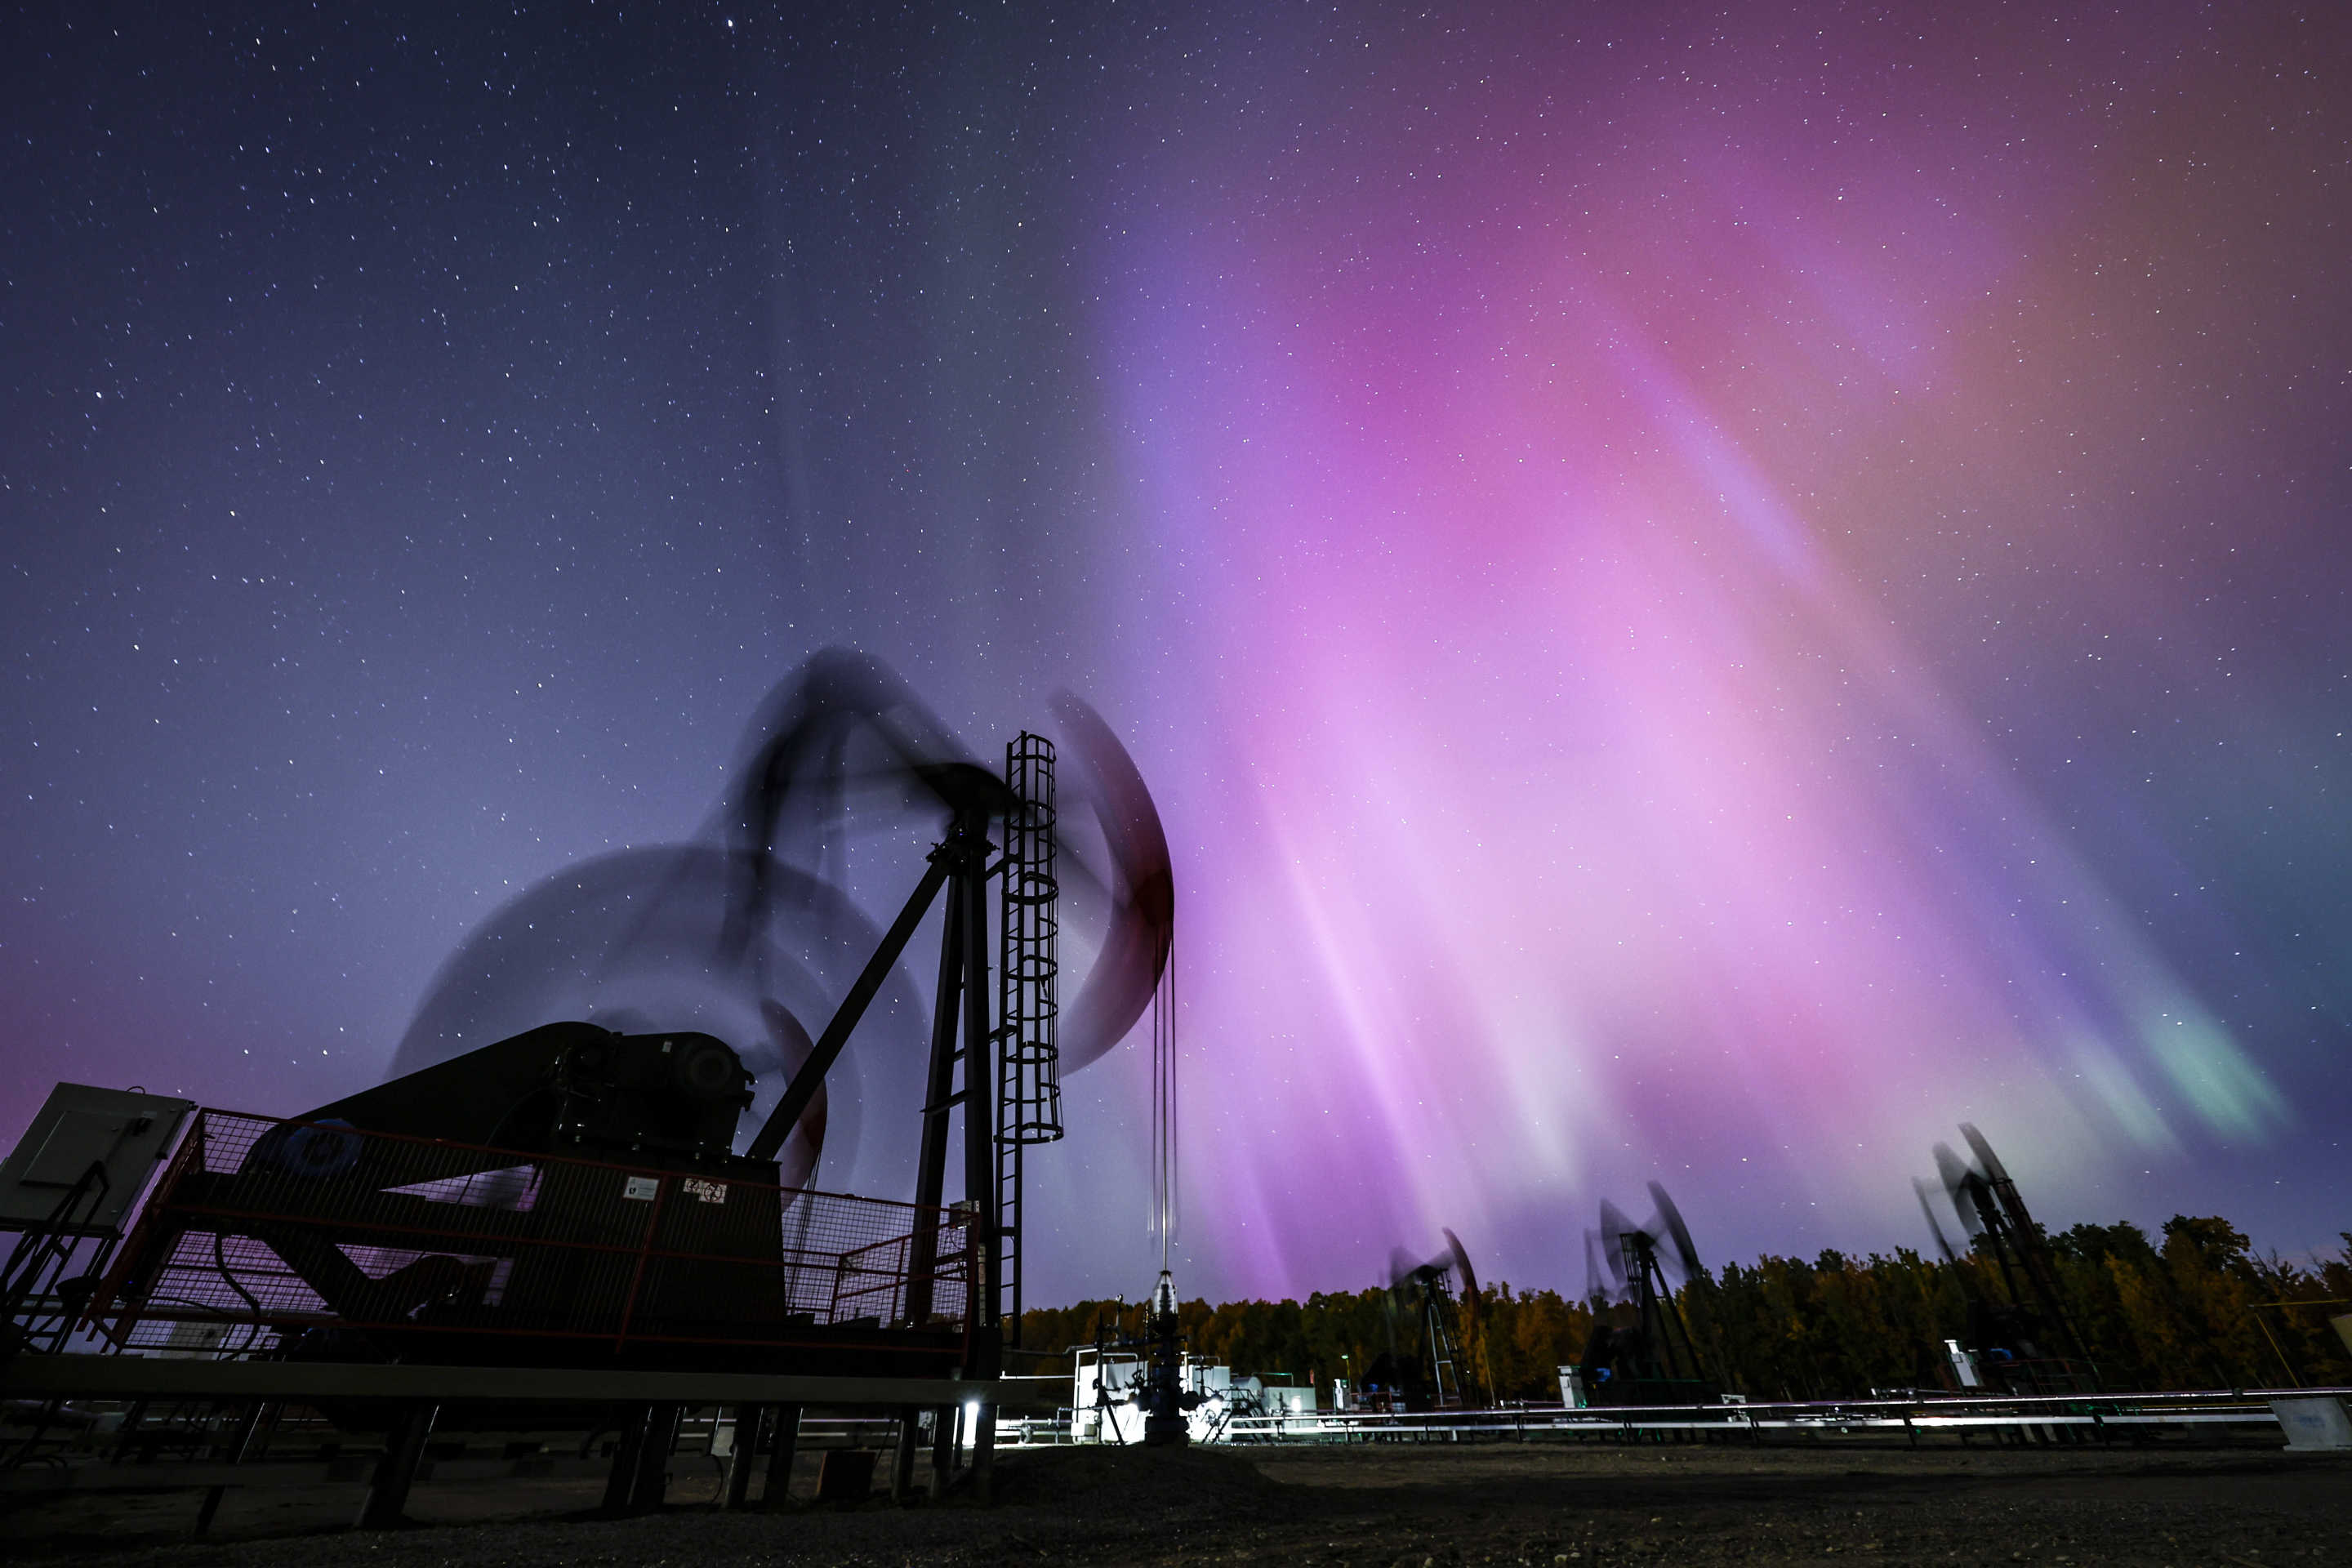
(1369,1507)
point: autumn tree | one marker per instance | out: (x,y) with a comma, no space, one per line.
(2196,1308)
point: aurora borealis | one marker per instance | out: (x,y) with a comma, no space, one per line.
(1705,595)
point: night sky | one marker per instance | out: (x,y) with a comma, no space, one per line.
(1706,593)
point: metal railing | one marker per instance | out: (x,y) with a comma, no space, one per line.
(2099,1419)
(39,1303)
(262,1229)
(2088,1418)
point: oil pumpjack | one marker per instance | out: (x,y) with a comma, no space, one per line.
(2021,1339)
(1641,1350)
(1435,1304)
(571,1196)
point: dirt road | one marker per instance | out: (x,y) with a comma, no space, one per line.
(1370,1507)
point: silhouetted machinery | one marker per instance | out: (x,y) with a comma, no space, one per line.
(1431,1316)
(572,1090)
(572,1193)
(1641,1350)
(2018,1339)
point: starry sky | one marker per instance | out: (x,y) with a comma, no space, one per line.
(1706,593)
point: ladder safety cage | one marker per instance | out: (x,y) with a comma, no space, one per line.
(1029,1087)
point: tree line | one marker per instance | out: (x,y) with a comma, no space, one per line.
(2195,1306)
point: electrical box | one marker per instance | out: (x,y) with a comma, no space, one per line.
(1288,1402)
(122,1133)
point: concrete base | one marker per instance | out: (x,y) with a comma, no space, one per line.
(2315,1425)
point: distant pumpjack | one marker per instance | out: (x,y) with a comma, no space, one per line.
(1641,1350)
(1437,1303)
(2027,1342)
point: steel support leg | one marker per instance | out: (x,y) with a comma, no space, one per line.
(652,1458)
(745,1457)
(621,1479)
(943,1447)
(386,1504)
(984,1453)
(238,1442)
(128,1431)
(902,1461)
(787,1439)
